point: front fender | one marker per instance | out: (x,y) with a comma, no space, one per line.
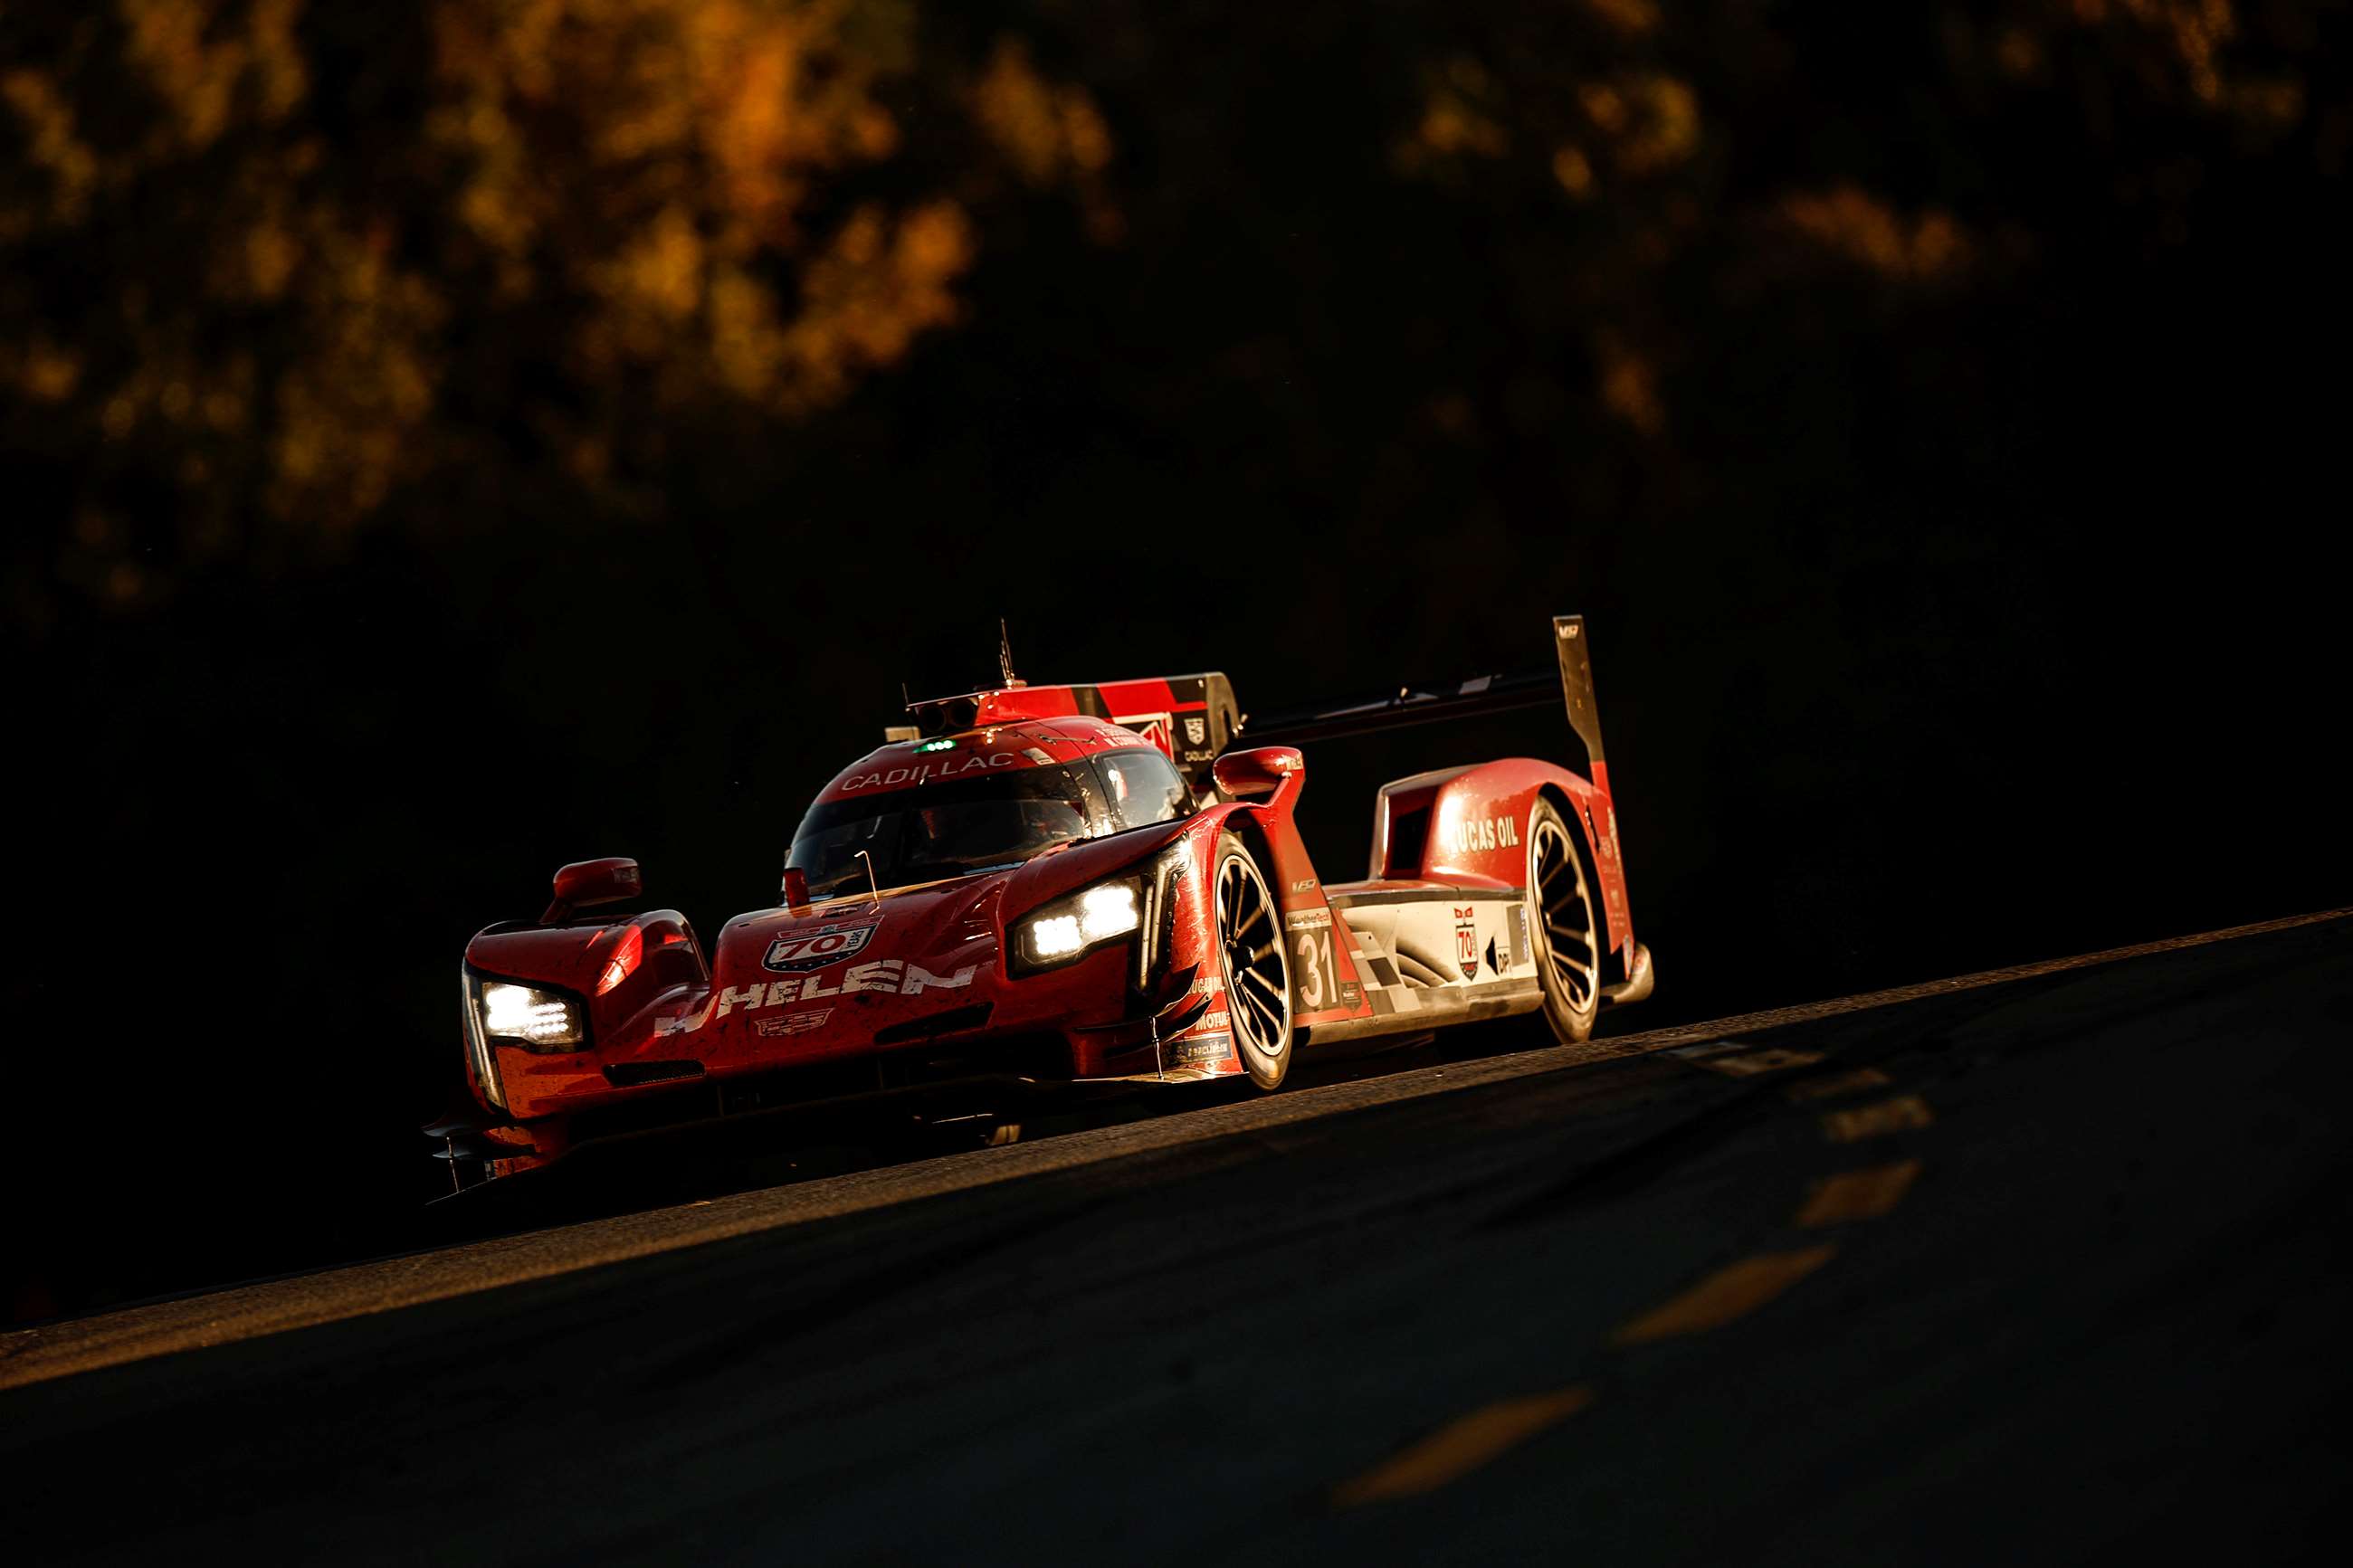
(661,963)
(1052,875)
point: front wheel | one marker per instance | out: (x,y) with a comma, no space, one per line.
(1258,972)
(1567,925)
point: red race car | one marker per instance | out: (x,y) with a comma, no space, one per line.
(1061,886)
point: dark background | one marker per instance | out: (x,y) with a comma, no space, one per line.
(1937,415)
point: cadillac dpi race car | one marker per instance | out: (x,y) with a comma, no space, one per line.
(1061,887)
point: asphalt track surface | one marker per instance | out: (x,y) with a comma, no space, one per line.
(2043,1265)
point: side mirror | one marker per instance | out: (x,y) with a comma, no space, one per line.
(1259,772)
(796,894)
(587,882)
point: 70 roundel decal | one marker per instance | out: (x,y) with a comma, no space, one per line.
(803,950)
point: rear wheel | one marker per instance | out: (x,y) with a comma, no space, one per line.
(1567,925)
(1258,972)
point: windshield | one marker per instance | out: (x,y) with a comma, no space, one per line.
(933,832)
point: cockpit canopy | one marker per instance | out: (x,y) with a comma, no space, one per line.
(985,821)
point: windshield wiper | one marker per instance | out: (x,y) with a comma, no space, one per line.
(957,868)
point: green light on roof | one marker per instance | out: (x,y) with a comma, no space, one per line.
(937,746)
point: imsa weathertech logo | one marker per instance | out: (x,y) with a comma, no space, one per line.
(804,949)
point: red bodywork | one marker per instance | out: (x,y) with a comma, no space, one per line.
(907,992)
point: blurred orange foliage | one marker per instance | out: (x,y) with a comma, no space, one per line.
(232,286)
(275,269)
(1851,223)
(1607,104)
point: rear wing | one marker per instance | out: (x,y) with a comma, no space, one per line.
(1191,717)
(1194,720)
(1571,678)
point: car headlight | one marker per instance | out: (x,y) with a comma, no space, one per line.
(536,1018)
(1057,932)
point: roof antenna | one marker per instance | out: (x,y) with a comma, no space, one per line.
(1005,655)
(906,698)
(872,886)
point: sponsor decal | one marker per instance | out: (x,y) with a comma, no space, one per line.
(799,1023)
(929,769)
(1153,727)
(1463,837)
(1197,731)
(884,976)
(1302,920)
(1466,940)
(1305,885)
(685,1023)
(1201,1050)
(800,950)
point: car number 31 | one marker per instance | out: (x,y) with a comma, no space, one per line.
(1318,980)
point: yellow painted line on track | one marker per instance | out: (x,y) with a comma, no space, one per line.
(1753,1064)
(1462,1445)
(255,1309)
(1858,1195)
(1902,1114)
(1830,1088)
(1732,1291)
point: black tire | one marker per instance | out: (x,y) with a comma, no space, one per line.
(1565,923)
(1257,969)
